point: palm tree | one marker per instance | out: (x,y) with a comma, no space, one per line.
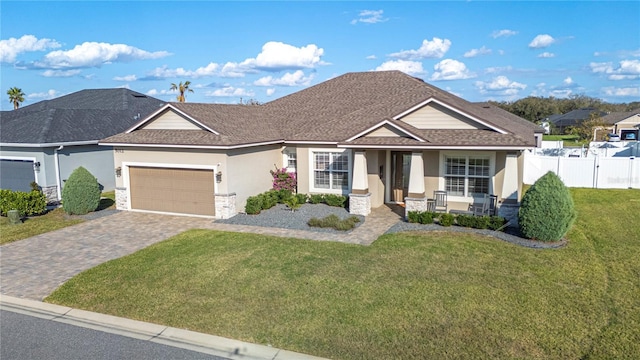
(16,96)
(182,88)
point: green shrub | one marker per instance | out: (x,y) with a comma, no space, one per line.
(425,217)
(547,211)
(496,222)
(268,199)
(81,193)
(27,203)
(446,219)
(254,205)
(482,222)
(335,200)
(302,198)
(316,198)
(333,221)
(282,195)
(465,220)
(413,216)
(293,203)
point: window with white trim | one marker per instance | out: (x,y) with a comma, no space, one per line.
(290,159)
(467,175)
(331,170)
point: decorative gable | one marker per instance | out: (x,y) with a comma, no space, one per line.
(436,116)
(170,120)
(386,131)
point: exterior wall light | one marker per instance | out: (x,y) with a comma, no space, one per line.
(219,176)
(36,166)
(119,171)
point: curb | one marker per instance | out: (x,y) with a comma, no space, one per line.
(185,339)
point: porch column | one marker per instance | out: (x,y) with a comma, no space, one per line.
(510,182)
(360,197)
(416,199)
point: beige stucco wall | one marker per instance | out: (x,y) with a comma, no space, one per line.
(302,166)
(248,171)
(498,180)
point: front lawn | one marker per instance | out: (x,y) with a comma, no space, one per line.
(35,225)
(409,295)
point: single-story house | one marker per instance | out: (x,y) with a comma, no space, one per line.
(44,142)
(378,137)
(573,118)
(624,123)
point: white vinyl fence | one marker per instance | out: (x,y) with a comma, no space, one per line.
(592,172)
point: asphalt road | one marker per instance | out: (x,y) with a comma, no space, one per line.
(31,338)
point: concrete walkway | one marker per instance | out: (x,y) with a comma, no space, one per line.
(33,268)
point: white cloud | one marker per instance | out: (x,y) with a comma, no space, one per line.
(270,91)
(413,68)
(498,69)
(93,54)
(155,92)
(275,56)
(369,17)
(125,86)
(500,86)
(229,91)
(477,52)
(626,91)
(125,78)
(371,57)
(449,69)
(627,69)
(435,48)
(503,33)
(12,47)
(44,95)
(61,73)
(568,81)
(296,78)
(561,93)
(541,41)
(546,55)
(278,56)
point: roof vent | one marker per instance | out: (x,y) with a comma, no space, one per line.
(139,95)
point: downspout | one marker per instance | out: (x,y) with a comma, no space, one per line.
(57,163)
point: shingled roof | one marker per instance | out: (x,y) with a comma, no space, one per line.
(83,116)
(335,111)
(614,117)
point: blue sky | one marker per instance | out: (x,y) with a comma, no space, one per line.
(264,50)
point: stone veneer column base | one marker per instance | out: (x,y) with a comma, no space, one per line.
(509,211)
(121,198)
(51,192)
(360,204)
(414,204)
(225,205)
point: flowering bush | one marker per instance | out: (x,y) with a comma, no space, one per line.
(283,180)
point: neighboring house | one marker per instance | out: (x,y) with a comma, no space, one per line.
(44,142)
(573,118)
(378,137)
(626,124)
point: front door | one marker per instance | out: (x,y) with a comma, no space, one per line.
(400,167)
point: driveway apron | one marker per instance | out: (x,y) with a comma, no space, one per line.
(32,268)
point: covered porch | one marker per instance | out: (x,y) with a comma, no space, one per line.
(409,177)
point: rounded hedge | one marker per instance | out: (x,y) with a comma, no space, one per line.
(547,210)
(81,193)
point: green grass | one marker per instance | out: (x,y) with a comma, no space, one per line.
(567,140)
(52,220)
(411,295)
(36,225)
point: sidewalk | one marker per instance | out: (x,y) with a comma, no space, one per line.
(190,340)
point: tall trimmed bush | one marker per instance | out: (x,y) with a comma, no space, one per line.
(27,203)
(81,193)
(547,210)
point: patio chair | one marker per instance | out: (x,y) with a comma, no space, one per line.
(480,206)
(440,201)
(493,205)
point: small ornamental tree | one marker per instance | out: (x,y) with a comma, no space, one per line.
(81,193)
(547,210)
(283,180)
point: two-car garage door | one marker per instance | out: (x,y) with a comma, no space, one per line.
(181,191)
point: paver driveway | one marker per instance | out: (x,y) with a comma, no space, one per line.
(32,268)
